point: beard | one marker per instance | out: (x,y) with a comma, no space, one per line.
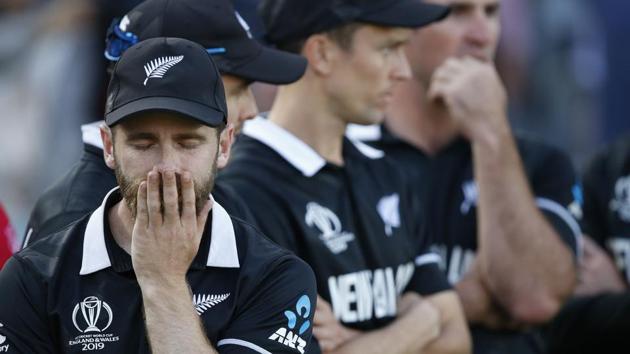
(129,190)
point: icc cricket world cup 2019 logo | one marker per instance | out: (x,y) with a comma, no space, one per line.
(92,315)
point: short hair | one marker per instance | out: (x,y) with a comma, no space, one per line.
(342,36)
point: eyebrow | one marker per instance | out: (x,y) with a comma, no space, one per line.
(140,136)
(184,136)
(151,136)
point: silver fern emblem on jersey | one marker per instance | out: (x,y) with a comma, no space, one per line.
(156,68)
(205,302)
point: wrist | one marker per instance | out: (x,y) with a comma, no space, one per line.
(151,284)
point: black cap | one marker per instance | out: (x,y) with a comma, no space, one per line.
(290,20)
(215,25)
(166,74)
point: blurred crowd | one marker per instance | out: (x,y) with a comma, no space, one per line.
(563,63)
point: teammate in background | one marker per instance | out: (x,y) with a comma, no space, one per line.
(498,205)
(215,25)
(159,267)
(607,221)
(598,318)
(7,237)
(340,205)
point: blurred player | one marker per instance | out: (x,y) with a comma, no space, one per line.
(340,205)
(219,28)
(499,205)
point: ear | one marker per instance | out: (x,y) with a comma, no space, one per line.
(108,146)
(321,53)
(225,146)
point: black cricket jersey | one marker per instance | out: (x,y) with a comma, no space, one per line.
(448,191)
(354,225)
(82,189)
(607,202)
(75,291)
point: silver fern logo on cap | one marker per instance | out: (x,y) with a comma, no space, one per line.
(157,68)
(205,302)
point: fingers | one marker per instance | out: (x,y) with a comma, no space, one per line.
(327,340)
(188,199)
(169,191)
(142,216)
(153,198)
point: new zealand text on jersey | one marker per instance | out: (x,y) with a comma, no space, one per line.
(367,294)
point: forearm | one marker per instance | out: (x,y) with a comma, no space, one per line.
(403,336)
(454,336)
(172,324)
(524,262)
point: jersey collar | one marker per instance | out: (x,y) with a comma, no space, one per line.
(91,134)
(292,149)
(222,252)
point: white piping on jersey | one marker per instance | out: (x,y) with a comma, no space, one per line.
(364,132)
(565,215)
(92,134)
(222,254)
(428,258)
(242,343)
(367,150)
(292,149)
(27,239)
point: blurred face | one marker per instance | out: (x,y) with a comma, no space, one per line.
(361,82)
(240,101)
(167,142)
(472,29)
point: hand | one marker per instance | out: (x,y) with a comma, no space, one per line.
(426,317)
(164,243)
(479,305)
(473,95)
(597,273)
(329,332)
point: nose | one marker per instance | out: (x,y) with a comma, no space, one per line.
(478,34)
(401,70)
(168,159)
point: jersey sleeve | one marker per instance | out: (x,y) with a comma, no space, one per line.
(36,231)
(428,278)
(595,199)
(23,323)
(558,195)
(278,317)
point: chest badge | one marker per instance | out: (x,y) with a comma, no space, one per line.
(329,227)
(469,189)
(621,201)
(390,213)
(203,303)
(92,317)
(94,313)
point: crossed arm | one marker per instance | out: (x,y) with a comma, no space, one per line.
(425,325)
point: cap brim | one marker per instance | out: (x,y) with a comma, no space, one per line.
(201,113)
(272,66)
(407,13)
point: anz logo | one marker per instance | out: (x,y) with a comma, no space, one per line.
(290,335)
(329,226)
